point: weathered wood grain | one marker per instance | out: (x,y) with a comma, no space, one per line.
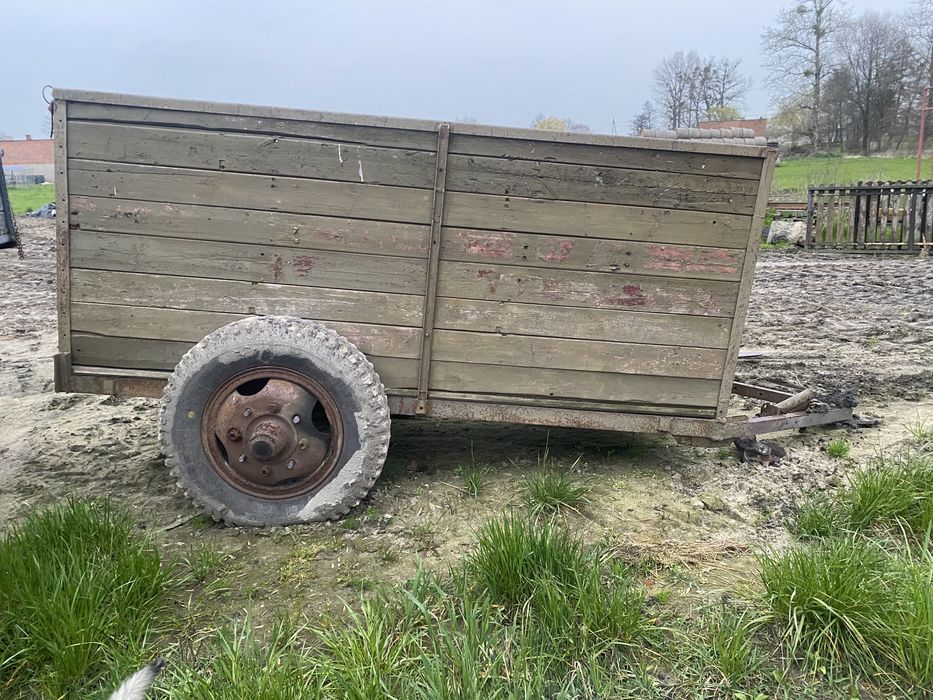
(247,298)
(209,223)
(250,153)
(191,326)
(587,183)
(368,135)
(252,263)
(492,379)
(587,324)
(589,355)
(266,113)
(588,220)
(592,254)
(62,245)
(609,156)
(269,192)
(532,285)
(147,354)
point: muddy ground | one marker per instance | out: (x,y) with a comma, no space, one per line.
(853,323)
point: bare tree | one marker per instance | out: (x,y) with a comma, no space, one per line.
(877,61)
(725,84)
(798,51)
(645,119)
(690,89)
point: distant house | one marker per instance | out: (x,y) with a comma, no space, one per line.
(27,160)
(758,126)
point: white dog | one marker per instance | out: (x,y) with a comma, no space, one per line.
(135,687)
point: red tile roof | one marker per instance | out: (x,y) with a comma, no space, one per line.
(27,152)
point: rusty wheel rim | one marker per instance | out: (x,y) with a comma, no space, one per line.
(272,432)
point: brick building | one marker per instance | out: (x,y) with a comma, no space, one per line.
(27,159)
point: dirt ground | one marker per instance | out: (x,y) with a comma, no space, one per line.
(853,323)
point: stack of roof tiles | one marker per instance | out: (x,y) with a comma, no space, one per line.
(734,135)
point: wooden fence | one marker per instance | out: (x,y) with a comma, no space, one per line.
(889,216)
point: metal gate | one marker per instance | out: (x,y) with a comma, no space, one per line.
(888,216)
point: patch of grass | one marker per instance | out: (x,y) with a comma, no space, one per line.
(300,568)
(838,448)
(233,664)
(722,654)
(922,434)
(26,199)
(80,596)
(549,491)
(777,245)
(832,602)
(796,174)
(202,559)
(892,495)
(351,522)
(474,479)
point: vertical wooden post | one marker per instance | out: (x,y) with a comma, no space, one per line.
(63,246)
(808,239)
(434,256)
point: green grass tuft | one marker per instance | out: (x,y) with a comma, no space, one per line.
(474,479)
(549,491)
(838,448)
(80,590)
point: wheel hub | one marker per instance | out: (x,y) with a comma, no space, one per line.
(272,432)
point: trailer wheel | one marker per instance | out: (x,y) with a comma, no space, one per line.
(274,420)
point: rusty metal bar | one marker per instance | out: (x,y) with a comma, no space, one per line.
(430,295)
(759,392)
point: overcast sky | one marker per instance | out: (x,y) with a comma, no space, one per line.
(498,61)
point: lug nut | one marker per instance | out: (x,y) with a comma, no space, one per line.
(264,471)
(291,464)
(296,419)
(247,412)
(302,444)
(235,434)
(241,459)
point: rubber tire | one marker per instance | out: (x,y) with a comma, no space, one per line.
(306,346)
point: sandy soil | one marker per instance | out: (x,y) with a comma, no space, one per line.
(855,323)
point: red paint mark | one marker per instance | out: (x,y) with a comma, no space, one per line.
(715,260)
(632,295)
(277,268)
(560,253)
(488,246)
(303,264)
(493,278)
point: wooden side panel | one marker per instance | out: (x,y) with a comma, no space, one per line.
(581,269)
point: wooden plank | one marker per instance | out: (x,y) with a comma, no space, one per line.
(592,254)
(588,220)
(246,298)
(587,183)
(250,153)
(582,323)
(629,157)
(146,354)
(62,242)
(252,263)
(592,386)
(208,223)
(191,326)
(745,289)
(383,136)
(586,289)
(540,135)
(269,192)
(589,355)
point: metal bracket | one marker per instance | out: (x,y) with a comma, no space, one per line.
(434,256)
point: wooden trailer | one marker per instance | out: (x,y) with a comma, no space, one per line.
(486,273)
